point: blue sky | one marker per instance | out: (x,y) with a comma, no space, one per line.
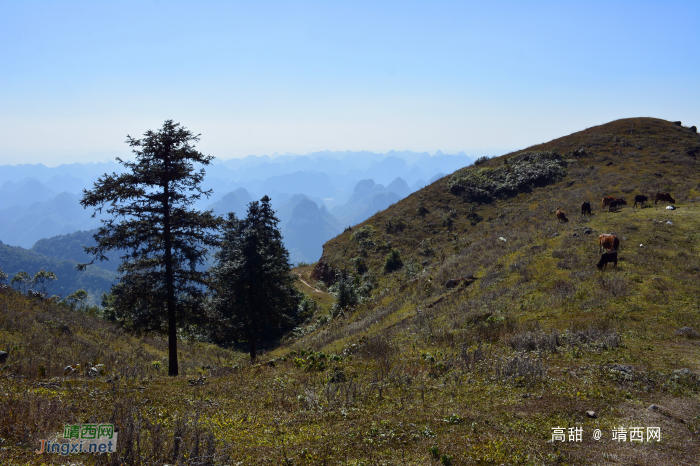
(264,77)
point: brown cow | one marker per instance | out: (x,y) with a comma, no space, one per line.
(607,257)
(606,202)
(664,197)
(586,208)
(609,242)
(561,216)
(615,204)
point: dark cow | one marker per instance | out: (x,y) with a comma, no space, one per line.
(641,199)
(612,207)
(606,202)
(561,216)
(607,257)
(586,208)
(609,242)
(664,197)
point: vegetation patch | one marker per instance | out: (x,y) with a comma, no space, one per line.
(518,174)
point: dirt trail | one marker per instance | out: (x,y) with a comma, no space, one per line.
(313,288)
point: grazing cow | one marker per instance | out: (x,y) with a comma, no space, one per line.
(586,208)
(641,199)
(609,242)
(664,197)
(606,201)
(615,204)
(607,257)
(561,216)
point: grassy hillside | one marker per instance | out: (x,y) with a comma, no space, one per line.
(416,372)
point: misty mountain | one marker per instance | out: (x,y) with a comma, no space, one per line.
(367,199)
(94,280)
(59,216)
(70,247)
(307,229)
(236,201)
(400,187)
(311,183)
(24,193)
(43,202)
(436,177)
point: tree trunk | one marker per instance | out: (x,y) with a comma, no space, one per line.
(252,348)
(170,286)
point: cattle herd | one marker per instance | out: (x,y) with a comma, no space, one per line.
(611,243)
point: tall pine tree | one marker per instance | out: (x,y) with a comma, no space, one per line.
(255,298)
(152,218)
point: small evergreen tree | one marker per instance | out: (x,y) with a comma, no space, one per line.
(43,280)
(154,224)
(255,298)
(392,261)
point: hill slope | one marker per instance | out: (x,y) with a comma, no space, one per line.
(415,372)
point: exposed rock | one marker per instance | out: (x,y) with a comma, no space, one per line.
(587,231)
(684,371)
(621,368)
(688,332)
(591,414)
(199,381)
(677,123)
(3,357)
(575,234)
(693,129)
(670,207)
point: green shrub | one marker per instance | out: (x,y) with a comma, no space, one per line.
(345,294)
(392,261)
(364,237)
(360,265)
(519,173)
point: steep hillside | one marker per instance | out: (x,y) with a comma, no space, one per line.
(612,341)
(532,341)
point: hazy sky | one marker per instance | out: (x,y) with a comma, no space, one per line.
(259,77)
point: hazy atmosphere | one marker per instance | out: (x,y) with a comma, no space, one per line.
(265,77)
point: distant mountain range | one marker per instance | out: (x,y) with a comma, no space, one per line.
(315,196)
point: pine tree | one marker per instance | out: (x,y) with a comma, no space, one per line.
(255,298)
(153,222)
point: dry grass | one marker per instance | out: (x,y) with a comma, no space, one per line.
(479,373)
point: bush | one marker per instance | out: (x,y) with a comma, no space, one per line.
(392,261)
(364,237)
(360,265)
(518,174)
(345,293)
(481,160)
